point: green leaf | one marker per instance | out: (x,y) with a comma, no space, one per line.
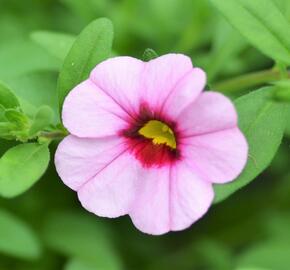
(16,117)
(263,123)
(91,47)
(42,119)
(57,44)
(262,23)
(17,239)
(21,166)
(81,236)
(7,98)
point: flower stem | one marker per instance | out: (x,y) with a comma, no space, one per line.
(53,135)
(248,80)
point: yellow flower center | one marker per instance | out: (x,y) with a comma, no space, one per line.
(159,132)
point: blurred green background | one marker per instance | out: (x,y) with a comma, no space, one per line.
(46,228)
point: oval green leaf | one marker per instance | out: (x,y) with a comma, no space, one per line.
(269,32)
(92,46)
(7,98)
(21,166)
(17,239)
(263,123)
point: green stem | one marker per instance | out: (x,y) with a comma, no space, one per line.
(53,135)
(248,80)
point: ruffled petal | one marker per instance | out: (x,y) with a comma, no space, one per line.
(77,160)
(170,199)
(219,157)
(111,191)
(161,76)
(88,112)
(185,92)
(150,210)
(191,197)
(120,79)
(210,112)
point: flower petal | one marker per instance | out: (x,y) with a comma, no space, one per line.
(120,79)
(111,191)
(219,157)
(88,112)
(191,196)
(210,112)
(161,76)
(170,199)
(185,92)
(78,160)
(150,210)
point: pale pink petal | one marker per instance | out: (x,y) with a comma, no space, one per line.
(210,112)
(120,78)
(161,76)
(219,157)
(170,199)
(88,112)
(78,160)
(191,196)
(111,191)
(185,92)
(150,211)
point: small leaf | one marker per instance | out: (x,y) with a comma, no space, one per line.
(91,47)
(5,130)
(263,123)
(17,239)
(16,117)
(149,54)
(57,44)
(42,119)
(21,166)
(269,32)
(81,236)
(7,98)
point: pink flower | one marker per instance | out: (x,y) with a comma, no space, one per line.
(146,141)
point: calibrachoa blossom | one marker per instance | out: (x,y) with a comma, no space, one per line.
(147,142)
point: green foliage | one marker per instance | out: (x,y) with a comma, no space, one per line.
(17,239)
(7,98)
(91,47)
(262,23)
(21,166)
(57,44)
(263,123)
(82,237)
(43,118)
(248,231)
